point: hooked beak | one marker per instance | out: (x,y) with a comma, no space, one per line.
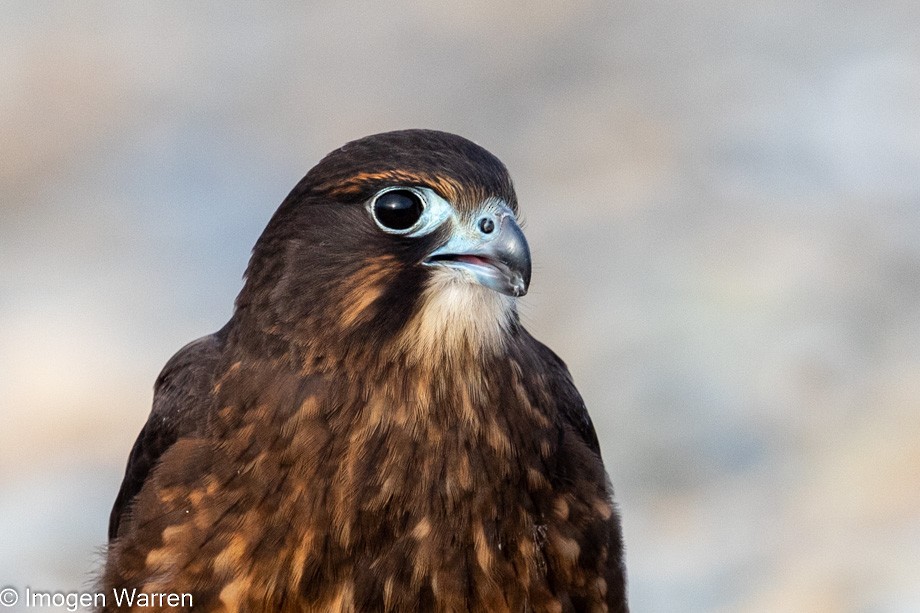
(493,252)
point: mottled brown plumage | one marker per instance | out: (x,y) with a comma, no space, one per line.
(374,430)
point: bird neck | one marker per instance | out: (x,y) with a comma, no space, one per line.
(458,322)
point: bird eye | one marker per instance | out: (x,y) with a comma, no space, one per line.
(398,209)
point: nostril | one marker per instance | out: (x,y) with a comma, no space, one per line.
(487,225)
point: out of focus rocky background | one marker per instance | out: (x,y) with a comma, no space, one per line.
(722,198)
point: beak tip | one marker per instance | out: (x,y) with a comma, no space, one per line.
(519,286)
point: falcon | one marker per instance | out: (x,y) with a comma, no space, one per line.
(373,429)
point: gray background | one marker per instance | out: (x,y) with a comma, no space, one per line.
(721,198)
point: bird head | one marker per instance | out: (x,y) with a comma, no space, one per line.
(409,235)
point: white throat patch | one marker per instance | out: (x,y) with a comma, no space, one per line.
(458,315)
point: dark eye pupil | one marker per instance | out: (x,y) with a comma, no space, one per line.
(398,209)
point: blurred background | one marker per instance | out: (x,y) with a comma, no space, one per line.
(722,200)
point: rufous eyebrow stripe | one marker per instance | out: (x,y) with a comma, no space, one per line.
(447,187)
